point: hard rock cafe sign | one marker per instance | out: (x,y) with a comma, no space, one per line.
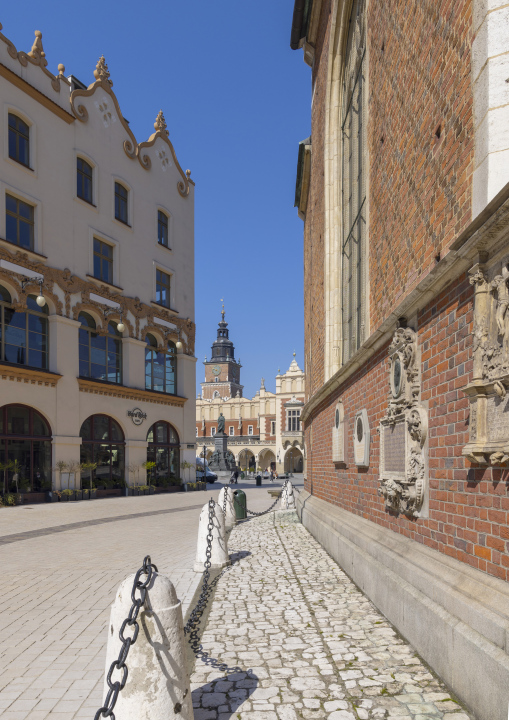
(137,415)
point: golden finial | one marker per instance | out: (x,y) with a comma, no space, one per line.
(160,124)
(101,71)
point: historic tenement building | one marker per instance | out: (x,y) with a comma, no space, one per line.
(403,189)
(96,282)
(264,431)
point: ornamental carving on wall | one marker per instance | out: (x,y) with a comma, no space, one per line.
(487,392)
(403,431)
(69,295)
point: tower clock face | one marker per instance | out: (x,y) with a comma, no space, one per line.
(216,370)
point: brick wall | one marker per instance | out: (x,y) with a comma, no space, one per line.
(469,505)
(420,88)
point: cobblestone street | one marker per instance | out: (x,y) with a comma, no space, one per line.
(301,641)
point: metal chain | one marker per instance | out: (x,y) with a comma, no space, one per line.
(225,488)
(119,664)
(193,623)
(257,514)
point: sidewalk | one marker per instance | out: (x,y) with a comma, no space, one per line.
(301,641)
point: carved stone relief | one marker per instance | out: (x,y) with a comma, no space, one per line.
(489,408)
(138,317)
(403,431)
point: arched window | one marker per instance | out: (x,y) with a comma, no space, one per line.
(100,355)
(24,334)
(164,450)
(84,180)
(102,442)
(354,183)
(19,140)
(25,441)
(160,367)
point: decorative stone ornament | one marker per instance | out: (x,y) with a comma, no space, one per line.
(489,404)
(338,434)
(361,439)
(403,431)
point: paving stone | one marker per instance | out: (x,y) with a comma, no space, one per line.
(318,649)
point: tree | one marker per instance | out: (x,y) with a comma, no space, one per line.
(61,467)
(90,466)
(5,467)
(149,466)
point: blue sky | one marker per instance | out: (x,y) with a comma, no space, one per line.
(237,103)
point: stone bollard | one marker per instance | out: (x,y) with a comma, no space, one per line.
(157,682)
(288,497)
(219,557)
(230,518)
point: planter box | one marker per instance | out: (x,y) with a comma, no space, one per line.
(51,496)
(34,497)
(111,492)
(78,495)
(170,488)
(151,491)
(92,494)
(64,498)
(128,491)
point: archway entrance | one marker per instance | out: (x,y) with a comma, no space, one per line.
(102,445)
(294,462)
(267,460)
(25,450)
(164,450)
(247,460)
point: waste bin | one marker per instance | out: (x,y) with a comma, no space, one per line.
(242,475)
(258,479)
(239,501)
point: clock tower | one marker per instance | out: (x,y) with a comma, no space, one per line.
(222,371)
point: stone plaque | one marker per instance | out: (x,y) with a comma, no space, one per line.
(393,438)
(361,438)
(498,419)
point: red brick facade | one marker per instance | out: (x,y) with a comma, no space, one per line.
(420,149)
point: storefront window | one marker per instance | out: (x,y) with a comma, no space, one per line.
(164,450)
(25,450)
(102,442)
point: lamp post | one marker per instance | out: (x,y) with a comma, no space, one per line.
(278,458)
(204,458)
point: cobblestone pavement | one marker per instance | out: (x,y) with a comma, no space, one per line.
(59,586)
(301,641)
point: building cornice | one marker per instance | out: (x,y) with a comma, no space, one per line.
(37,95)
(483,236)
(120,391)
(20,373)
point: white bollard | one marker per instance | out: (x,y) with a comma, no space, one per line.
(288,497)
(230,519)
(219,557)
(157,682)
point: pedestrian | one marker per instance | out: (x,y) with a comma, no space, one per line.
(236,476)
(271,475)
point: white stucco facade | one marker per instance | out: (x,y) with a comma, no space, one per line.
(67,122)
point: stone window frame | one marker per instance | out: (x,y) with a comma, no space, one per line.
(250,430)
(335,355)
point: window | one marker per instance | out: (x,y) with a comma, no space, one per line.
(164,450)
(231,430)
(100,356)
(162,228)
(163,288)
(19,140)
(196,432)
(249,429)
(23,334)
(293,420)
(84,180)
(160,367)
(354,184)
(19,222)
(272,427)
(25,438)
(213,432)
(102,442)
(121,195)
(103,261)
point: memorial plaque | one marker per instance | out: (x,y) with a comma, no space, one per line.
(497,419)
(393,438)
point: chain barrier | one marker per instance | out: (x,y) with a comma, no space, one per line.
(193,623)
(264,512)
(119,664)
(225,488)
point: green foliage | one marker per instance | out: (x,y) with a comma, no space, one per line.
(10,499)
(68,492)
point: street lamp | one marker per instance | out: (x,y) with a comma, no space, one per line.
(204,456)
(40,299)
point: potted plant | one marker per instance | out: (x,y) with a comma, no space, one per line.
(149,466)
(66,495)
(89,467)
(9,499)
(5,467)
(61,467)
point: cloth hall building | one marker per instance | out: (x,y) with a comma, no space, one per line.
(403,189)
(96,281)
(264,432)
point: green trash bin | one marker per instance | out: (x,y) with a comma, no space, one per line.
(239,501)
